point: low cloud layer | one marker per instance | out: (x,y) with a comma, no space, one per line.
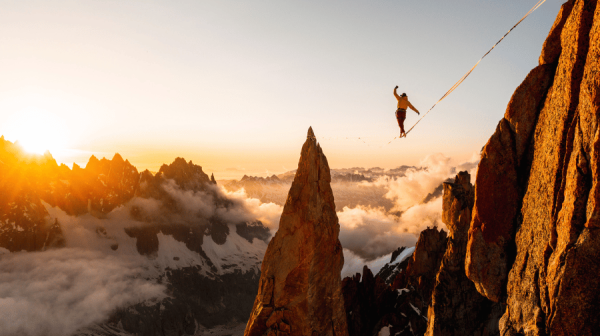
(410,190)
(379,216)
(268,213)
(354,264)
(60,291)
(371,233)
(57,292)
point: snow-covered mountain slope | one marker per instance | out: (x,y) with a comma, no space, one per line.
(398,262)
(105,250)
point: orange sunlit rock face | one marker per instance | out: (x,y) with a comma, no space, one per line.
(533,242)
(300,289)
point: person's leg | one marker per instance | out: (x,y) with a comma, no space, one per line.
(401,116)
(402,133)
(400,121)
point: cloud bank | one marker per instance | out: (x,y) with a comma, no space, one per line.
(370,233)
(57,292)
(354,264)
(268,213)
(379,216)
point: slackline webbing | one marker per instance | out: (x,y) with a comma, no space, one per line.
(537,5)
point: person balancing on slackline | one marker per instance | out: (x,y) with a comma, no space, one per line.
(403,103)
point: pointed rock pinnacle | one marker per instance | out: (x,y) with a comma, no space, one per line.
(300,289)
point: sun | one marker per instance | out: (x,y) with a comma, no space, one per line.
(36,145)
(38,132)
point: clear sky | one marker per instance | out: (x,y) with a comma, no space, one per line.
(234,85)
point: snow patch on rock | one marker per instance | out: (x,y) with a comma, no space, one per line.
(235,253)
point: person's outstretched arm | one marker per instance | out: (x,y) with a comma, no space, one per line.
(395,93)
(413,108)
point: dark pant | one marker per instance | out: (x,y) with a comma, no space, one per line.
(400,116)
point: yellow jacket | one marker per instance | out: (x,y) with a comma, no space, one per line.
(403,102)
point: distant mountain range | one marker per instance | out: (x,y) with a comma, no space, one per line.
(205,254)
(202,246)
(347,185)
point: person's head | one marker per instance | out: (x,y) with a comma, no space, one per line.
(403,95)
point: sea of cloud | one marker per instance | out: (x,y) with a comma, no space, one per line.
(56,292)
(384,214)
(369,235)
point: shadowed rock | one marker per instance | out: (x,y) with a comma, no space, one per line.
(456,307)
(424,264)
(372,303)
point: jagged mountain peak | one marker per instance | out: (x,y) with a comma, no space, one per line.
(208,261)
(118,158)
(300,286)
(187,174)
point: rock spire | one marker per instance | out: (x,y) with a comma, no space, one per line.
(300,284)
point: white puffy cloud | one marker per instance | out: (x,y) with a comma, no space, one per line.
(59,291)
(371,233)
(374,232)
(411,189)
(381,215)
(268,213)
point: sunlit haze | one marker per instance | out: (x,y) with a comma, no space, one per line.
(234,86)
(38,131)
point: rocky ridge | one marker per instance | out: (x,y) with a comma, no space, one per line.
(398,263)
(374,304)
(456,307)
(527,264)
(533,241)
(429,292)
(208,262)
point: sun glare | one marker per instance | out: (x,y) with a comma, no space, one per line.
(38,132)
